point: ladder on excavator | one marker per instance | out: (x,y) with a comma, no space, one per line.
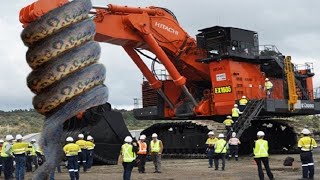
(251,111)
(292,91)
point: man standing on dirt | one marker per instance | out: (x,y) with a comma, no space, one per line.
(210,147)
(233,146)
(156,148)
(261,154)
(307,143)
(128,156)
(220,152)
(142,153)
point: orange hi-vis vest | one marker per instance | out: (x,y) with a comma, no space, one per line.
(142,148)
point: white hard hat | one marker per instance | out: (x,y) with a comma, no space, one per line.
(305,131)
(1,141)
(33,140)
(235,105)
(128,139)
(69,139)
(143,136)
(234,134)
(210,133)
(80,136)
(267,79)
(89,138)
(260,133)
(18,137)
(229,117)
(9,137)
(154,135)
(221,136)
(244,97)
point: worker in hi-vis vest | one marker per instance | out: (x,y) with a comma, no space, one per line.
(7,157)
(228,124)
(128,156)
(220,152)
(235,113)
(306,144)
(243,103)
(261,155)
(268,87)
(142,153)
(19,150)
(210,147)
(156,148)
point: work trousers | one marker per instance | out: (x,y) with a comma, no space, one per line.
(82,159)
(1,165)
(20,160)
(29,163)
(233,151)
(265,161)
(210,156)
(89,158)
(156,161)
(7,167)
(269,93)
(228,128)
(127,169)
(307,164)
(242,107)
(218,156)
(142,162)
(73,167)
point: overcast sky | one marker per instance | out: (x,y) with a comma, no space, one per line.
(293,26)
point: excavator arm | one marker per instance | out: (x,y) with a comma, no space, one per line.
(154,29)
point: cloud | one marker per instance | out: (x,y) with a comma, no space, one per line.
(291,25)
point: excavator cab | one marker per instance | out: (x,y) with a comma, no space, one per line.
(221,41)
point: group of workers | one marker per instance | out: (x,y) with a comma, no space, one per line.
(24,154)
(79,153)
(217,149)
(134,153)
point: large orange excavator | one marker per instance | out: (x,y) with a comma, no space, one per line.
(207,76)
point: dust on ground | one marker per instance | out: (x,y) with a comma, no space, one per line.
(197,169)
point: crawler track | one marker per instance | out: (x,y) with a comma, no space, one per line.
(186,139)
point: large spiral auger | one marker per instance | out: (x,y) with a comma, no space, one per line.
(66,76)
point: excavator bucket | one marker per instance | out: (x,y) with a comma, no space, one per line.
(107,127)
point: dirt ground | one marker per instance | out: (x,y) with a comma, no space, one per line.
(197,169)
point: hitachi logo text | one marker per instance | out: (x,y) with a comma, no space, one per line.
(167,28)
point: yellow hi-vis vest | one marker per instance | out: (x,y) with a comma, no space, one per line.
(127,153)
(268,85)
(155,146)
(82,144)
(261,148)
(20,147)
(235,112)
(211,141)
(221,146)
(90,145)
(71,149)
(243,101)
(307,143)
(31,150)
(3,150)
(228,122)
